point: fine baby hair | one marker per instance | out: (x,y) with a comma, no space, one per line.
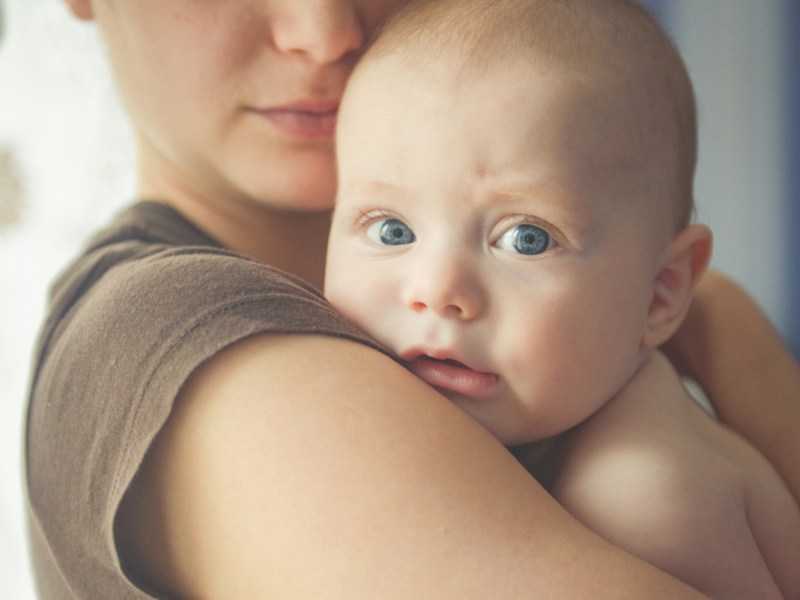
(614,47)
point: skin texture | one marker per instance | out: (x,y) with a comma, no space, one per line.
(556,334)
(256,488)
(463,181)
(752,346)
(362,496)
(651,472)
(219,156)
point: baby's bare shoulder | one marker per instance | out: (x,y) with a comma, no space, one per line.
(680,491)
(644,474)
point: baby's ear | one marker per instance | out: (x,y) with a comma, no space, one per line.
(82,9)
(683,263)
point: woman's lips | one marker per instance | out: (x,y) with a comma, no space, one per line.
(303,120)
(452,376)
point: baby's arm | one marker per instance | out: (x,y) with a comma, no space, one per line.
(730,348)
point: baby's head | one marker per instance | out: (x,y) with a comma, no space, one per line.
(616,70)
(515,182)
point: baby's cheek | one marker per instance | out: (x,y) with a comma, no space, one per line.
(532,354)
(340,290)
(364,303)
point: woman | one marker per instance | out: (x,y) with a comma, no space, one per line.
(202,425)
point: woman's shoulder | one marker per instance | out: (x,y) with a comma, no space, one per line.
(288,467)
(260,433)
(153,279)
(130,321)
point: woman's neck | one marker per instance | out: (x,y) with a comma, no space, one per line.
(293,241)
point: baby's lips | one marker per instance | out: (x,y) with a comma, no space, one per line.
(450,375)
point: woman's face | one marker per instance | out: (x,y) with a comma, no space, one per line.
(235,100)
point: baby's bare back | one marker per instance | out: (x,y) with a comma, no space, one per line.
(653,473)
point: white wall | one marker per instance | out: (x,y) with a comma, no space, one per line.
(59,121)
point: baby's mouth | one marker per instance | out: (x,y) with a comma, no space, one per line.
(450,375)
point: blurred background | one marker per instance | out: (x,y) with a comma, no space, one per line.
(66,156)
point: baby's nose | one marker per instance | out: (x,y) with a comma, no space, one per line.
(451,290)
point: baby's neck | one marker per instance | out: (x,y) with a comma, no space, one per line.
(533,455)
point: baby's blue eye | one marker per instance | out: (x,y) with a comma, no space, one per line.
(525,239)
(391,232)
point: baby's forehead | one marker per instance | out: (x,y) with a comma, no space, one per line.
(582,100)
(471,38)
(518,114)
(583,127)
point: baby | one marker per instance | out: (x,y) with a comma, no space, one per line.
(513,221)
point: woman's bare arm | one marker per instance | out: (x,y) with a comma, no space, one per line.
(308,467)
(732,350)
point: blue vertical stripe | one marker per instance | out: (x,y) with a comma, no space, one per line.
(791,69)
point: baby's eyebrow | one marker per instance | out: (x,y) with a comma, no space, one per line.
(528,188)
(371,186)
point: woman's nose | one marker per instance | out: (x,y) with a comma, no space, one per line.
(320,31)
(450,289)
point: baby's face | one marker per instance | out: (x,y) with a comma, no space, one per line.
(498,237)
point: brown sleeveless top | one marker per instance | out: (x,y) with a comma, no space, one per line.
(152,298)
